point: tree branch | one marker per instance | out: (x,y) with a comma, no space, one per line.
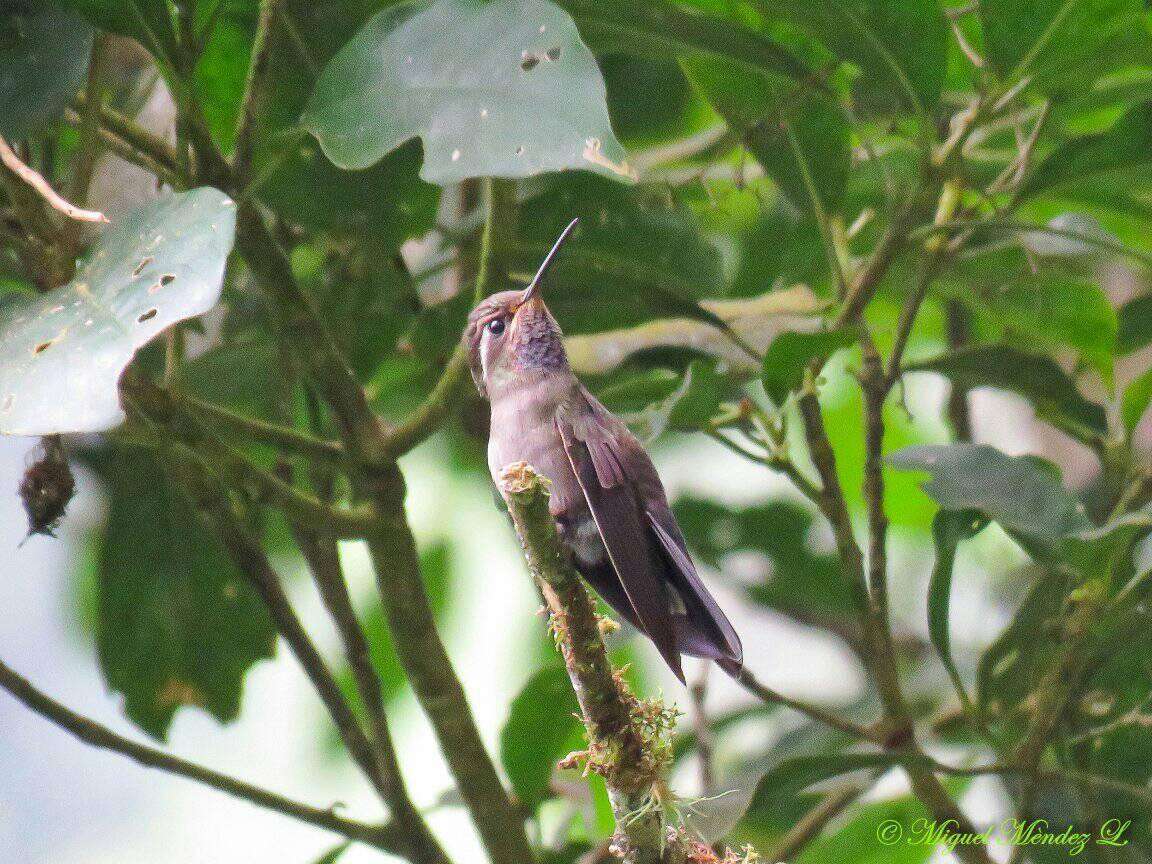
(282,437)
(627,744)
(323,558)
(810,825)
(159,407)
(834,721)
(383,837)
(140,139)
(257,69)
(43,188)
(250,559)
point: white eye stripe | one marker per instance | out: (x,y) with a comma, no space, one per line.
(484,352)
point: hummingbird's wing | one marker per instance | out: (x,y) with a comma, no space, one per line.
(619,461)
(623,528)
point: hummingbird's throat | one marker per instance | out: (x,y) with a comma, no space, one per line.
(537,343)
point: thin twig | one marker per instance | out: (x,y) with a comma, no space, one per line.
(9,158)
(1049,775)
(282,437)
(834,721)
(88,149)
(96,735)
(140,139)
(253,87)
(121,148)
(809,826)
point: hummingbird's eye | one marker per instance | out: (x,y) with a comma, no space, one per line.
(496,326)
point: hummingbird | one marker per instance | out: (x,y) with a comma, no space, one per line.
(608,502)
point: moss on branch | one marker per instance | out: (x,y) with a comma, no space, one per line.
(628,739)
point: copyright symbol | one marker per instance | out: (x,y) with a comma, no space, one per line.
(889,832)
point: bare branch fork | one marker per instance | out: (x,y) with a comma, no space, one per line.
(627,739)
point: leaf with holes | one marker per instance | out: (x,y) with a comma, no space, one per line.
(502,89)
(43,57)
(61,354)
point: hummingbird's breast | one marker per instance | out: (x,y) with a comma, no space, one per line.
(524,430)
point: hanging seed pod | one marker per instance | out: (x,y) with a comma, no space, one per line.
(47,488)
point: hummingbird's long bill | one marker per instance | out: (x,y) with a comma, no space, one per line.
(534,286)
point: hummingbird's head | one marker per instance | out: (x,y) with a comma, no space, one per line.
(512,335)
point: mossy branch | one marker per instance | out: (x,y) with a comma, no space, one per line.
(628,742)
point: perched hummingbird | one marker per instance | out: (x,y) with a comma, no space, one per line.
(608,501)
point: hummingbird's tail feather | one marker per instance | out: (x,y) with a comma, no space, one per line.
(703,630)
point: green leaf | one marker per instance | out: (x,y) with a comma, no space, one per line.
(798,135)
(61,354)
(650,100)
(687,408)
(1036,377)
(149,22)
(573,852)
(1012,490)
(949,527)
(503,89)
(663,29)
(1052,40)
(43,62)
(1050,310)
(176,623)
(901,45)
(541,729)
(1136,398)
(1013,665)
(634,257)
(1122,147)
(857,839)
(388,202)
(1134,325)
(790,354)
(221,73)
(790,777)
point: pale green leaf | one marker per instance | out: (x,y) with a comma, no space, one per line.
(61,354)
(502,89)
